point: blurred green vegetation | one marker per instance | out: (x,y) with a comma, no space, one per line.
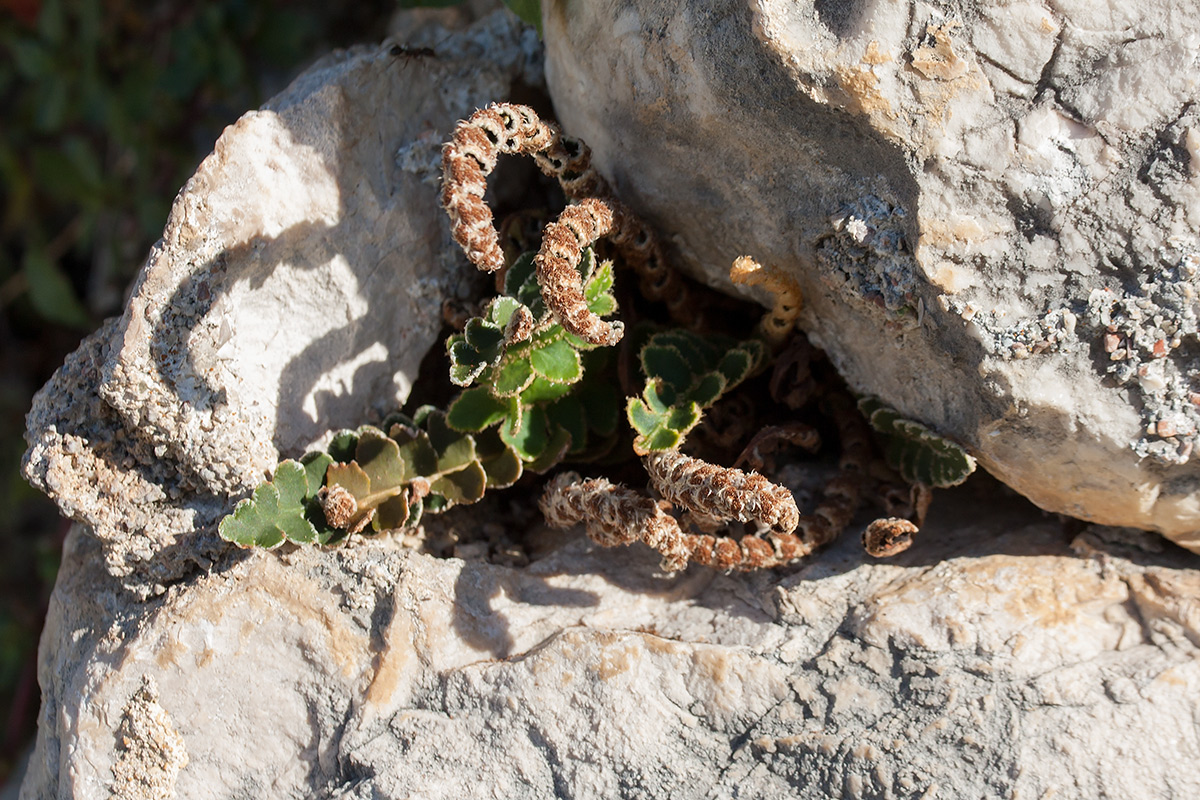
(108,106)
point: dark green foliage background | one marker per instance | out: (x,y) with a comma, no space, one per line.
(106,108)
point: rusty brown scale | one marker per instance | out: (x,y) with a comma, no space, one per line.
(341,509)
(749,552)
(614,515)
(758,451)
(469,157)
(841,495)
(508,128)
(562,286)
(721,492)
(779,322)
(888,537)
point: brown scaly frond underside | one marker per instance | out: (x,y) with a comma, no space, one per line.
(779,322)
(614,515)
(509,128)
(562,286)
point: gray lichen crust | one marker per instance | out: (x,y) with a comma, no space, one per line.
(993,209)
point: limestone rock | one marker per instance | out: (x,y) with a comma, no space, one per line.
(993,208)
(296,288)
(991,660)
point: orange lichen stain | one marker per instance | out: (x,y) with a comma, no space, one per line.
(280,588)
(1171,677)
(947,75)
(712,664)
(940,62)
(1043,597)
(205,657)
(862,91)
(875,56)
(391,660)
(658,645)
(951,278)
(170,653)
(614,662)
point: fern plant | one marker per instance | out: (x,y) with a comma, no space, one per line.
(534,394)
(686,372)
(284,508)
(540,387)
(917,453)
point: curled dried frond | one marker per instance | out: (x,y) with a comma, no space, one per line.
(640,250)
(721,492)
(909,501)
(774,549)
(469,157)
(853,433)
(614,515)
(781,319)
(569,161)
(887,537)
(562,286)
(520,326)
(792,381)
(839,501)
(769,439)
(339,505)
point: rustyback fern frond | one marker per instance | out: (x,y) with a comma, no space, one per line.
(614,515)
(533,390)
(919,454)
(686,372)
(471,155)
(721,492)
(779,322)
(539,386)
(282,509)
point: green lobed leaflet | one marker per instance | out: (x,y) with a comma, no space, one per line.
(686,372)
(916,452)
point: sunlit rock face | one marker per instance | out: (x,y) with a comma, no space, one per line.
(298,284)
(993,208)
(991,660)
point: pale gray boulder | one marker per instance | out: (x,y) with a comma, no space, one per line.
(993,209)
(992,660)
(297,286)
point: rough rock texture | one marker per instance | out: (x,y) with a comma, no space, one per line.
(993,208)
(151,751)
(991,660)
(297,286)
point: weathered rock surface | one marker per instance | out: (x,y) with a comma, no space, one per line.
(991,660)
(297,286)
(993,208)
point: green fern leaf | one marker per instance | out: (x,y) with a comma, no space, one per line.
(274,513)
(919,454)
